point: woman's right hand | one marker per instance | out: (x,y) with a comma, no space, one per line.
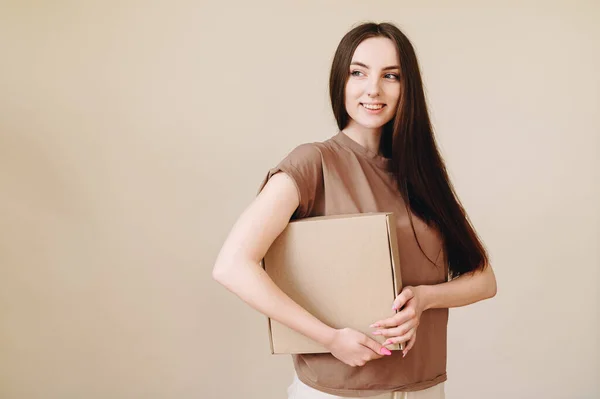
(355,348)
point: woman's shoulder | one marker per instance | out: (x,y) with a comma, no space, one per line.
(312,152)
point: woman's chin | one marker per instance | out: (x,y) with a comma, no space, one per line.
(371,124)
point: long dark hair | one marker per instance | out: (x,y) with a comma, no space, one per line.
(409,142)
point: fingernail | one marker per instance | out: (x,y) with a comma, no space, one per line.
(385,351)
(376,332)
(387,342)
(403,354)
(375,325)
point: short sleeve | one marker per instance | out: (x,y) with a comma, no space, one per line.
(304,165)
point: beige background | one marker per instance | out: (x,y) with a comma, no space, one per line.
(132,134)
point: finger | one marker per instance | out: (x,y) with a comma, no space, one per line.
(406,295)
(386,323)
(406,314)
(409,345)
(370,355)
(367,356)
(398,319)
(400,339)
(397,331)
(376,347)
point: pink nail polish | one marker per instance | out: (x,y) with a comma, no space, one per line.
(376,332)
(385,351)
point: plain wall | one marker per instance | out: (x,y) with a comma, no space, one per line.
(132,135)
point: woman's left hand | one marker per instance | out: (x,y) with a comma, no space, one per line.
(402,327)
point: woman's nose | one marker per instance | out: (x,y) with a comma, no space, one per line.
(373,87)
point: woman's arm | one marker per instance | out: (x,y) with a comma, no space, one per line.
(238,268)
(238,264)
(464,290)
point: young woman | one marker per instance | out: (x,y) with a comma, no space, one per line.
(383,158)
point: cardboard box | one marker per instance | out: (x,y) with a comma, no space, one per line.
(342,269)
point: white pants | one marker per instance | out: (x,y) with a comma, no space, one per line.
(299,390)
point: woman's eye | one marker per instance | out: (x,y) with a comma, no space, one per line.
(387,76)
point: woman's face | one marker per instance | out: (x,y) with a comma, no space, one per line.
(373,87)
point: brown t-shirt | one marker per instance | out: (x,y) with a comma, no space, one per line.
(339,176)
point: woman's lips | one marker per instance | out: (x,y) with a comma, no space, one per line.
(379,108)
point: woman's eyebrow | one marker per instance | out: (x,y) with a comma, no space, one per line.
(366,66)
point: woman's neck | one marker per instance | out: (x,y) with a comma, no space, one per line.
(366,137)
